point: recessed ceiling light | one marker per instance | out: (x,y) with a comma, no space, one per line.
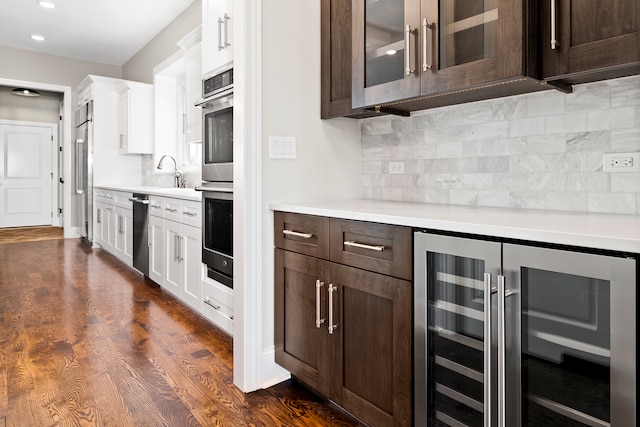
(25,92)
(47,4)
(37,37)
(391,52)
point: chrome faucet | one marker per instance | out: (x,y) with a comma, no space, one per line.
(178,177)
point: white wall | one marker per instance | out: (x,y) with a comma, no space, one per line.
(140,66)
(328,152)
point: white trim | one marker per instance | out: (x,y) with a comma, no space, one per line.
(272,373)
(67,134)
(247,325)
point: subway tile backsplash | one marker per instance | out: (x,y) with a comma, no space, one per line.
(535,151)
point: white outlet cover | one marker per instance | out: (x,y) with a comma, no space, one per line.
(282,147)
(632,158)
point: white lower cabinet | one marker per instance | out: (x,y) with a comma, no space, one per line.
(175,248)
(156,248)
(113,223)
(217,304)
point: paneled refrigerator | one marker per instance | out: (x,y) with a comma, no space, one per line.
(84,169)
(513,335)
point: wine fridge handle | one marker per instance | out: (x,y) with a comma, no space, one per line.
(488,352)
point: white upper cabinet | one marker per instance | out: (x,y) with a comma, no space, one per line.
(217,34)
(135,118)
(192,115)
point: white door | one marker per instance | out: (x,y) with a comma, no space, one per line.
(26,178)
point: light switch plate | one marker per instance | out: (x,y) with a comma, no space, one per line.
(282,147)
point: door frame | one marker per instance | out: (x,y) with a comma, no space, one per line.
(53,127)
(64,142)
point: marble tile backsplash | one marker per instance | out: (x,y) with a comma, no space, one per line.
(535,151)
(150,176)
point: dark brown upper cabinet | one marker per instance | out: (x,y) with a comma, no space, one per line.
(587,40)
(411,54)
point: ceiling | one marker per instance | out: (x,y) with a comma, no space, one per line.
(104,31)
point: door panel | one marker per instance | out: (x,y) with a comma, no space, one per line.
(25,176)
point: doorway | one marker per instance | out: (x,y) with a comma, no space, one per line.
(27,171)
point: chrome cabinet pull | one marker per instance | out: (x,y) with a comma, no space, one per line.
(407,49)
(180,240)
(119,221)
(425,26)
(79,166)
(554,41)
(226,31)
(189,213)
(319,321)
(171,209)
(488,353)
(220,23)
(503,294)
(150,236)
(377,248)
(332,326)
(210,304)
(156,206)
(297,234)
(175,247)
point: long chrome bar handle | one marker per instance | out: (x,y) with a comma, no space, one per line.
(150,235)
(180,240)
(80,166)
(332,327)
(488,326)
(502,352)
(226,31)
(425,26)
(319,321)
(554,41)
(297,234)
(175,247)
(220,24)
(407,49)
(377,248)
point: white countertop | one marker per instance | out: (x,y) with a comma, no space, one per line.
(600,231)
(178,193)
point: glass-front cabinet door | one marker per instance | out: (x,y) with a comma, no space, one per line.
(411,48)
(578,338)
(453,332)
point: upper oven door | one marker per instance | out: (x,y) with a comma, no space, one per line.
(217,152)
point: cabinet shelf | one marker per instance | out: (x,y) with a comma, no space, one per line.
(471,22)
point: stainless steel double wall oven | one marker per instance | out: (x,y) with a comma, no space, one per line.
(217,176)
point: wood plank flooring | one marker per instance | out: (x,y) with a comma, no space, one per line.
(29,234)
(87,341)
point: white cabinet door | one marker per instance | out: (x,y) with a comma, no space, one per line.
(173,279)
(193,114)
(123,122)
(156,249)
(125,234)
(109,230)
(191,247)
(99,226)
(135,118)
(217,34)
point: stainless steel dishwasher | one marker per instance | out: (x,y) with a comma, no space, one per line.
(140,233)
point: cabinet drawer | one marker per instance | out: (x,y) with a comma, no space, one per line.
(306,234)
(381,248)
(122,199)
(190,213)
(156,206)
(217,304)
(172,210)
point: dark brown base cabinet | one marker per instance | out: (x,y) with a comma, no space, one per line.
(342,330)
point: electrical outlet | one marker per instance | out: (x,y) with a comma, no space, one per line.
(621,162)
(396,168)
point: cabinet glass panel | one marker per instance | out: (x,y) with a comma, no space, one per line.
(566,342)
(468,31)
(384,41)
(455,366)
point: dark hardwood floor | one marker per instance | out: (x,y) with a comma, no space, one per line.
(87,341)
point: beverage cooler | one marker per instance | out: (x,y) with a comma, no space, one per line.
(515,335)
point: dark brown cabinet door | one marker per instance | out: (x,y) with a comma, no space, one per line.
(372,314)
(590,36)
(407,48)
(301,343)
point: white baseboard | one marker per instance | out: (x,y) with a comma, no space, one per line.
(72,232)
(271,372)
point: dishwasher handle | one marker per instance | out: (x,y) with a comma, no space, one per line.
(136,200)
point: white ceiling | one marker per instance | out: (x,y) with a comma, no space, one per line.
(104,31)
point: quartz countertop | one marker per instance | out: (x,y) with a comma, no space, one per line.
(588,230)
(178,193)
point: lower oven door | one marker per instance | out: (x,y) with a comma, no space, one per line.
(217,235)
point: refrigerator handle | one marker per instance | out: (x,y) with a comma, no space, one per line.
(80,166)
(503,294)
